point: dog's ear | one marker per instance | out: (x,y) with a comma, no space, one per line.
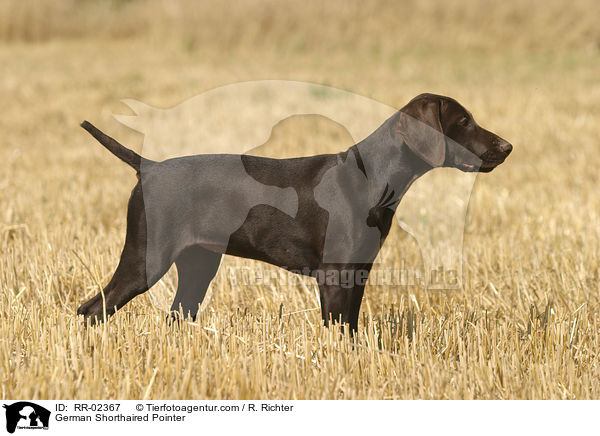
(420,127)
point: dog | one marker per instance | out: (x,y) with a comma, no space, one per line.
(323,216)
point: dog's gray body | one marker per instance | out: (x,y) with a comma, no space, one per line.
(320,213)
(178,214)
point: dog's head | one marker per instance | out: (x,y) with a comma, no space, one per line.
(444,134)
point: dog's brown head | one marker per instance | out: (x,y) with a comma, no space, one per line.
(444,134)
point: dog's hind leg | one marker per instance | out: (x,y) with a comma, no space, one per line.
(196,267)
(131,277)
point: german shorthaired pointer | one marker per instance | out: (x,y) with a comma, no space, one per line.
(324,216)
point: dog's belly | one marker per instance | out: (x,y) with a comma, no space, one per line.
(272,236)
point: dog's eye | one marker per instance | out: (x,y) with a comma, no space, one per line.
(463,121)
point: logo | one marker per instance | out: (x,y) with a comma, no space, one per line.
(26,415)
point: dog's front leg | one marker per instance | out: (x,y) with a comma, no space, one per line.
(341,291)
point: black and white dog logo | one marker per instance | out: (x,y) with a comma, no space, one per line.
(26,415)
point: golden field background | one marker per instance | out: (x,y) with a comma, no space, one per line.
(524,326)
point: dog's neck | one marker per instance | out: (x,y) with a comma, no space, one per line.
(387,161)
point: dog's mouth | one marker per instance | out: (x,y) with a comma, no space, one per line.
(490,164)
(486,167)
(469,162)
(491,159)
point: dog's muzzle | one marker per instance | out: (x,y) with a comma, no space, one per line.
(492,158)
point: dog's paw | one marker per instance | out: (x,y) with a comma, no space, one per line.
(92,310)
(175,317)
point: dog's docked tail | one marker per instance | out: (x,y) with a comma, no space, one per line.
(128,156)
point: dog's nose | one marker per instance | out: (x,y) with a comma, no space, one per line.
(505,147)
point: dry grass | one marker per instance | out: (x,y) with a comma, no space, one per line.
(526,323)
(375,26)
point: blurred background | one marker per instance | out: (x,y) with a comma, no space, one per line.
(307,26)
(165,52)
